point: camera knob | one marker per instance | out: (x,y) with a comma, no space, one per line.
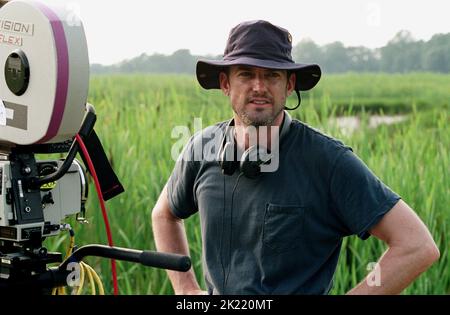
(26,170)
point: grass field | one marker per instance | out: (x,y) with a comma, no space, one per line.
(136,115)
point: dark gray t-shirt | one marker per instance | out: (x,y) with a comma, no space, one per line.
(282,232)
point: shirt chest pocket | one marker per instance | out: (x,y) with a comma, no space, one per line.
(283,227)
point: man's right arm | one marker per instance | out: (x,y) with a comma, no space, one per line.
(170,237)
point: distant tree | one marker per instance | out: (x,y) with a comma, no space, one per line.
(437,54)
(335,58)
(401,54)
(99,68)
(306,51)
(182,61)
(362,59)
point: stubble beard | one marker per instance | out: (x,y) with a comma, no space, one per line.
(263,120)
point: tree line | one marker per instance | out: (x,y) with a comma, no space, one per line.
(401,54)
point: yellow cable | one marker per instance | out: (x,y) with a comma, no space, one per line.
(97,280)
(80,287)
(71,246)
(84,268)
(91,279)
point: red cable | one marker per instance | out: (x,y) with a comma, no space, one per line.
(102,204)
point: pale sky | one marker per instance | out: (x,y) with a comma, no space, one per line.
(118,30)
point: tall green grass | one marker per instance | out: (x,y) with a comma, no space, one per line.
(391,93)
(136,115)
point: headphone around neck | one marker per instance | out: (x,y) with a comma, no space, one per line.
(251,160)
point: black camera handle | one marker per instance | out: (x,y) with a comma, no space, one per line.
(146,258)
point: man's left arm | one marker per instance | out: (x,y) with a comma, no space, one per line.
(411,251)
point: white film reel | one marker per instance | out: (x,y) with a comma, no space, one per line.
(44,73)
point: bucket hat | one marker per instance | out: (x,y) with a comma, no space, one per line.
(261,44)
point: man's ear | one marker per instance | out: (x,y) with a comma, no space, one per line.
(292,79)
(224,83)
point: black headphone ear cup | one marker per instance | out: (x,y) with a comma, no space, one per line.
(250,163)
(228,161)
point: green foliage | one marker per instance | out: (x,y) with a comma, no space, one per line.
(387,93)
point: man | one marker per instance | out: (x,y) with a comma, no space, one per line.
(279,232)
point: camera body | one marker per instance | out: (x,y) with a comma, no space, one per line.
(27,212)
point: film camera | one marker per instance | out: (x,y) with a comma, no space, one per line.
(44,110)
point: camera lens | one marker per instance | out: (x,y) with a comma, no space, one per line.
(17,72)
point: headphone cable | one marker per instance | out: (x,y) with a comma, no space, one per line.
(231,228)
(222,235)
(299,101)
